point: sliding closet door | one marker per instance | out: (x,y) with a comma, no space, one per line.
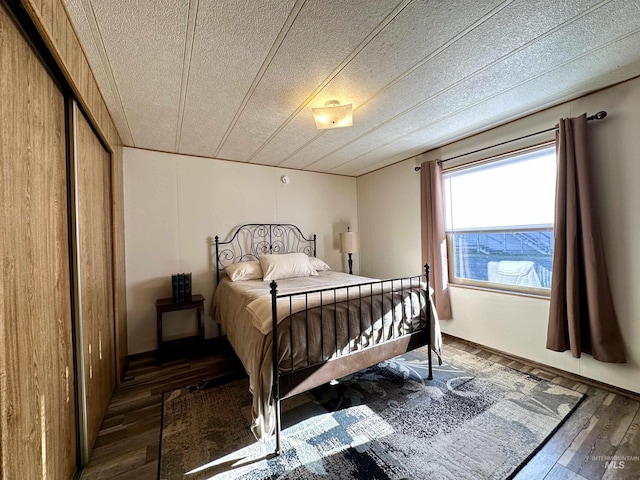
(37,405)
(92,165)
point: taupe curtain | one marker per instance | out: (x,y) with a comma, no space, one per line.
(581,317)
(434,244)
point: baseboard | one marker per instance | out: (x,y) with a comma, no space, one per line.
(553,370)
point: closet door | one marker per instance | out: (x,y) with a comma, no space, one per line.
(37,404)
(95,329)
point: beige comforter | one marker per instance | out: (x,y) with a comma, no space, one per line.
(244,310)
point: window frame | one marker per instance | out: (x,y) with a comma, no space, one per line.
(483,284)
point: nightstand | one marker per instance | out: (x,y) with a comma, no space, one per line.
(196,342)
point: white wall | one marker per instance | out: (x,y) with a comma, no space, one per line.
(389,232)
(517,324)
(176,204)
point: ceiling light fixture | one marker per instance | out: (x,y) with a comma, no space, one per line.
(333,115)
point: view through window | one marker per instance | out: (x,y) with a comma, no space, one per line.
(499,221)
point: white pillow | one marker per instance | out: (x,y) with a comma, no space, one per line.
(318,264)
(286,265)
(244,271)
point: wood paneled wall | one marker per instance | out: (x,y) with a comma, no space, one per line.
(52,21)
(37,402)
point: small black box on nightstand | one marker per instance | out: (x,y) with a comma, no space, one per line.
(181,287)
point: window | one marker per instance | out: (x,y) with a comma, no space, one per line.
(499,222)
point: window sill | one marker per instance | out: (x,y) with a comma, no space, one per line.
(500,291)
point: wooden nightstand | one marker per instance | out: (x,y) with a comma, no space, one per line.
(196,342)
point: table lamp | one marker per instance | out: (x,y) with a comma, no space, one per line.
(349,244)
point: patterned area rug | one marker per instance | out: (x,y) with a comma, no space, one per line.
(474,420)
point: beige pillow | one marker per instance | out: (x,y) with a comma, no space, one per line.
(287,265)
(318,264)
(244,271)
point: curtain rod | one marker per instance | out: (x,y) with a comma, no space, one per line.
(598,116)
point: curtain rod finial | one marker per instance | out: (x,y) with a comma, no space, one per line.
(598,116)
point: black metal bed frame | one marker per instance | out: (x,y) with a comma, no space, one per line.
(287,238)
(251,240)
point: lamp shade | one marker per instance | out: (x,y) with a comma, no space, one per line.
(349,242)
(333,115)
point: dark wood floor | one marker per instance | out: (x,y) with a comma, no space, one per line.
(601,439)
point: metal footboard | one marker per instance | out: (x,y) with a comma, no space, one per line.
(359,351)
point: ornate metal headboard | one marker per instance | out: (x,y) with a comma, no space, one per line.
(250,241)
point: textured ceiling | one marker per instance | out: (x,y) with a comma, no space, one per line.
(236,79)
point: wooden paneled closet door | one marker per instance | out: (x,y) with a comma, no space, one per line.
(37,404)
(95,273)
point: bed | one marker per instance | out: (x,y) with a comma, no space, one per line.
(327,324)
